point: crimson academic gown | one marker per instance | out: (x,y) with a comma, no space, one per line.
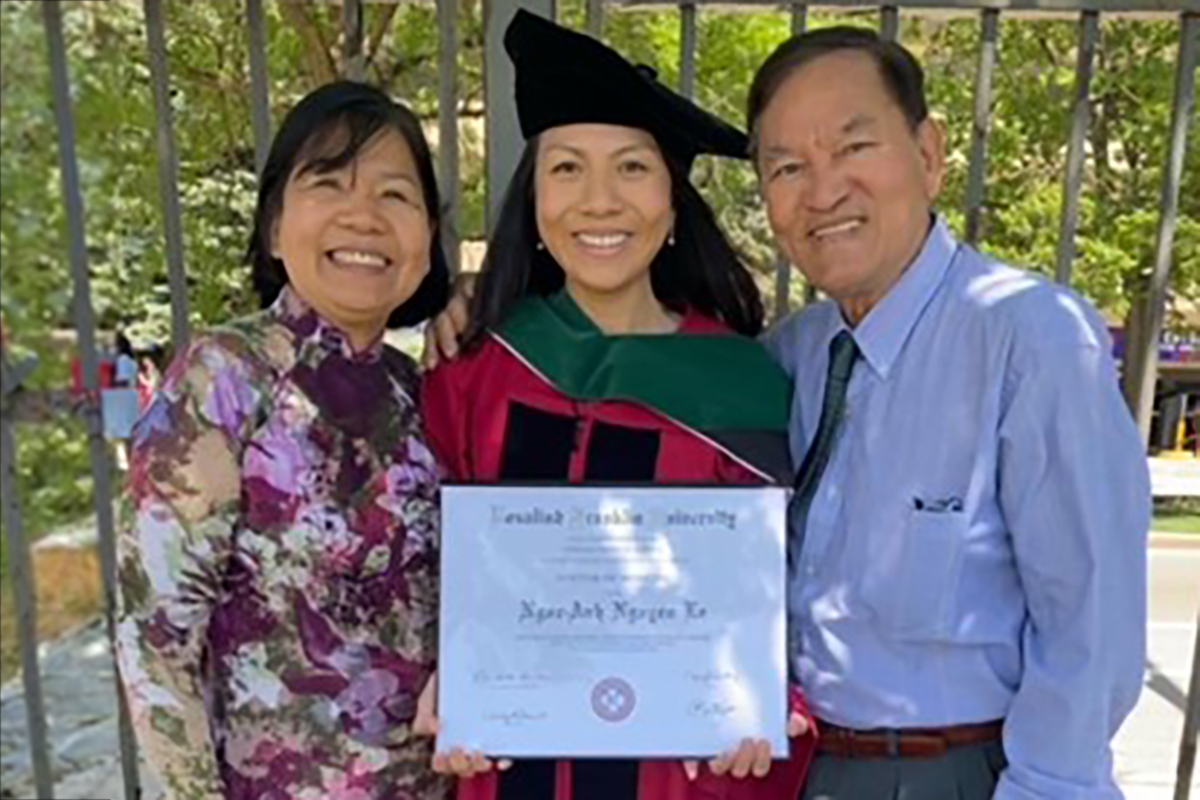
(492,415)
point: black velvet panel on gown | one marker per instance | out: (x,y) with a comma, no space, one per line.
(539,445)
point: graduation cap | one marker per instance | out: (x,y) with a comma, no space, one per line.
(564,77)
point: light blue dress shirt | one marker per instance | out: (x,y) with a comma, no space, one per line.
(976,549)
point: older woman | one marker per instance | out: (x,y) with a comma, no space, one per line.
(278,578)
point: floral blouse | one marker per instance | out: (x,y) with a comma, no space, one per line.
(278,568)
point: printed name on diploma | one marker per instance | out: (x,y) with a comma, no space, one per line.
(613,611)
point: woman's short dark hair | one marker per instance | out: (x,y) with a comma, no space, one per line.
(900,70)
(324,132)
(701,270)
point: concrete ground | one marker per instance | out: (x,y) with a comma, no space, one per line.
(1146,750)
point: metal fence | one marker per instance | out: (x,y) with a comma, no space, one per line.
(503,146)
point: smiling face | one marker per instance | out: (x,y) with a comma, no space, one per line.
(603,196)
(355,241)
(848,183)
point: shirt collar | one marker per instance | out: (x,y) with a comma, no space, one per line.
(882,333)
(310,329)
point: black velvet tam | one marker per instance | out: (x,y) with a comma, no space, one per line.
(564,77)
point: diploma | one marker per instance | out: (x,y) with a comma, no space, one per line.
(612,622)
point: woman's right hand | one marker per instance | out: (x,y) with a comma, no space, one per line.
(457,761)
(443,333)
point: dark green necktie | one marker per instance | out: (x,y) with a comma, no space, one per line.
(843,352)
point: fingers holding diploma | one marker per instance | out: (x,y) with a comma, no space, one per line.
(752,756)
(456,761)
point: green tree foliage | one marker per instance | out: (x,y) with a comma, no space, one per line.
(1131,97)
(207,47)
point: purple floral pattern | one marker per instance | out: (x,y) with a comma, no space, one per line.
(278,580)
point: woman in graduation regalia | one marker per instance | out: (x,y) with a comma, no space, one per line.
(611,341)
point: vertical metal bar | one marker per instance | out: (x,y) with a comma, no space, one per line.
(889,23)
(783,286)
(1191,727)
(503,136)
(20,570)
(1130,370)
(352,39)
(168,174)
(687,50)
(983,119)
(595,18)
(1089,36)
(130,776)
(889,29)
(799,18)
(85,326)
(799,26)
(260,109)
(1156,297)
(447,15)
(783,267)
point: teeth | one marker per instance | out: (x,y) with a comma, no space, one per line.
(608,240)
(841,227)
(359,257)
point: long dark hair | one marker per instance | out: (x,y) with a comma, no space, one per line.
(324,132)
(701,270)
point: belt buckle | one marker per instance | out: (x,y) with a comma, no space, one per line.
(891,737)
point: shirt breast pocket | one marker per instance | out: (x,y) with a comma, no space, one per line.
(911,583)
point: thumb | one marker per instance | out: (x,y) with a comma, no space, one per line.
(798,725)
(425,723)
(691,769)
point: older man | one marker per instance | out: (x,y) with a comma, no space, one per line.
(969,527)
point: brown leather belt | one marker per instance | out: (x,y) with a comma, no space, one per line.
(904,743)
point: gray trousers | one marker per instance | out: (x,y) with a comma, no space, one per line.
(964,773)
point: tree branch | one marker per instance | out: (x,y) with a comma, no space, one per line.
(319,62)
(379,31)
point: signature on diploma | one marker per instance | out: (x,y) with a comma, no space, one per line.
(711,709)
(712,677)
(514,679)
(516,717)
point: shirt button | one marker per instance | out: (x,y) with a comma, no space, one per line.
(810,571)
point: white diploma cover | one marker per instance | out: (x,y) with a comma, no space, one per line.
(612,622)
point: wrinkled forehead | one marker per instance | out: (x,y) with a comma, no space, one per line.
(835,95)
(843,79)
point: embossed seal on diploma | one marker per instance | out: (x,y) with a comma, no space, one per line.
(613,700)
